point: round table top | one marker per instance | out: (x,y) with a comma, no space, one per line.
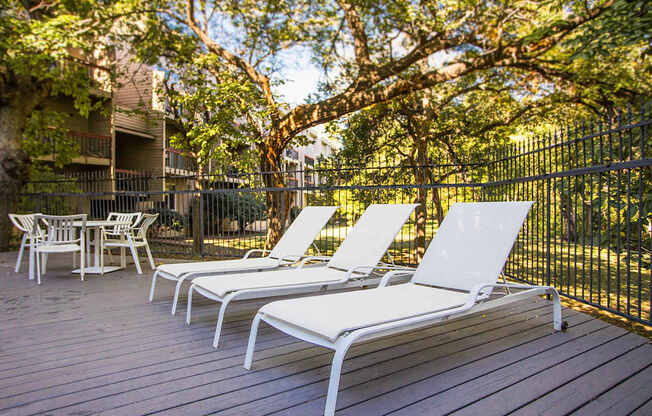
(101,223)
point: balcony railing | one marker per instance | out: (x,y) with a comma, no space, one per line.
(132,180)
(92,145)
(174,159)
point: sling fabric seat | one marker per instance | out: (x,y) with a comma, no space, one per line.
(353,310)
(222,285)
(289,249)
(456,277)
(356,257)
(205,267)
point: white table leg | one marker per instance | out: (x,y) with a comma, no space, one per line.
(88,247)
(96,231)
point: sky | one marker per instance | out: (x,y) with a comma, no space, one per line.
(301,76)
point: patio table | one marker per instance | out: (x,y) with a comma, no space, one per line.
(95,225)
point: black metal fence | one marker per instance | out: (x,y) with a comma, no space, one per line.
(588,234)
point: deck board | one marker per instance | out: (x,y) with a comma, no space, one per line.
(97,347)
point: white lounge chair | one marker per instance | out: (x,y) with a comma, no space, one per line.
(455,278)
(356,258)
(289,249)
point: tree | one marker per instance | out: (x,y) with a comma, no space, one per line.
(48,49)
(445,126)
(374,51)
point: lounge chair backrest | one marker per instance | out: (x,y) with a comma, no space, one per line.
(472,244)
(371,236)
(302,232)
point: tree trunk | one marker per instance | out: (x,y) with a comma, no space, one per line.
(197,217)
(278,201)
(13,166)
(439,210)
(420,177)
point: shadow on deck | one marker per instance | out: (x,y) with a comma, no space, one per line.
(97,347)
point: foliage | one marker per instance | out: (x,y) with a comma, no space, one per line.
(236,206)
(48,50)
(168,217)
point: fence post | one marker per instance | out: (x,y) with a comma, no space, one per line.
(201,225)
(548,234)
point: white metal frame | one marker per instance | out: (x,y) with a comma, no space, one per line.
(341,346)
(24,223)
(61,237)
(283,259)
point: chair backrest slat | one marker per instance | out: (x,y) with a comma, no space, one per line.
(145,222)
(24,222)
(131,219)
(61,228)
(371,236)
(472,244)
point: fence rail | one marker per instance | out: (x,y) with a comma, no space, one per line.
(588,233)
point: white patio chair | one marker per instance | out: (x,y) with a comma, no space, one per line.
(456,277)
(131,238)
(118,232)
(356,258)
(289,249)
(24,223)
(61,237)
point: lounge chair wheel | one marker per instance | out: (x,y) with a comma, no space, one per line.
(564,326)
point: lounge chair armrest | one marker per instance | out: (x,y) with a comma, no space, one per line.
(393,273)
(292,258)
(477,290)
(255,250)
(358,269)
(313,258)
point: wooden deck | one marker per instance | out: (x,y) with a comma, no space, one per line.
(97,347)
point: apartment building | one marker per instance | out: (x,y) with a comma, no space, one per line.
(126,144)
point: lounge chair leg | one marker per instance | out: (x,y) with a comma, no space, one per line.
(251,345)
(189,308)
(151,290)
(220,320)
(556,310)
(20,252)
(334,381)
(177,289)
